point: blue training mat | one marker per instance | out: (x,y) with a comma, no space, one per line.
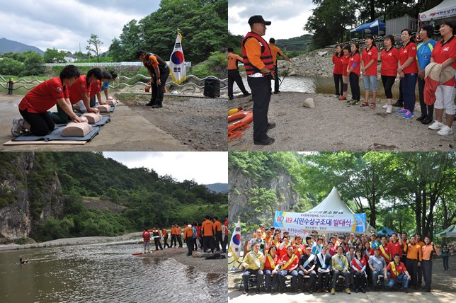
(103,121)
(56,135)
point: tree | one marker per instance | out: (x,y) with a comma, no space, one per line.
(53,55)
(329,21)
(94,45)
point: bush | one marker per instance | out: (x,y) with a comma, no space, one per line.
(34,65)
(215,65)
(10,66)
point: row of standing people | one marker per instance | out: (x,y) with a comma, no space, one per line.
(409,64)
(413,252)
(209,235)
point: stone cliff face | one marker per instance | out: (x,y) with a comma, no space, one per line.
(240,193)
(16,219)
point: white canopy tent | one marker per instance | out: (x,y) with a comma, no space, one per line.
(333,202)
(446,9)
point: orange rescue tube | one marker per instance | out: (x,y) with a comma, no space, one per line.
(244,117)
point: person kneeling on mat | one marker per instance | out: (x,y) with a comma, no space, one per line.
(35,105)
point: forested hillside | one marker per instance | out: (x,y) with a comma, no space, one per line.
(411,192)
(149,199)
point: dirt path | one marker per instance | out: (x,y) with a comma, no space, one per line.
(199,123)
(334,125)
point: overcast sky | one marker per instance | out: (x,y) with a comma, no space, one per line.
(63,24)
(288,17)
(203,167)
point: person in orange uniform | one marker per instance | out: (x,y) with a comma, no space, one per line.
(276,51)
(218,233)
(164,232)
(429,250)
(159,73)
(233,74)
(207,229)
(35,104)
(225,239)
(259,68)
(420,267)
(188,238)
(289,264)
(179,235)
(414,258)
(173,236)
(337,71)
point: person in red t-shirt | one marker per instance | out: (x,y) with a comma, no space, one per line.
(408,72)
(146,240)
(354,72)
(389,57)
(396,272)
(369,61)
(445,53)
(345,59)
(337,71)
(80,93)
(40,99)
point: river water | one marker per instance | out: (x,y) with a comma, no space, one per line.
(103,273)
(314,85)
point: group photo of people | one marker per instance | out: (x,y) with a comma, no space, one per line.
(280,262)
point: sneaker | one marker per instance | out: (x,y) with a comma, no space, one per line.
(402,111)
(408,115)
(436,125)
(389,108)
(385,106)
(445,131)
(333,291)
(347,290)
(18,127)
(342,97)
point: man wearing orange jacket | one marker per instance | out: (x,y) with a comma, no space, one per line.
(259,68)
(233,74)
(207,229)
(179,235)
(165,237)
(276,52)
(188,238)
(173,235)
(218,233)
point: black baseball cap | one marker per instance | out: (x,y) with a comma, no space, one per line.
(258,19)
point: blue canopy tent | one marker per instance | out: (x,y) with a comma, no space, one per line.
(374,27)
(385,231)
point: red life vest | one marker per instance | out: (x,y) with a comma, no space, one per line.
(266,55)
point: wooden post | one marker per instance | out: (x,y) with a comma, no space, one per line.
(10,86)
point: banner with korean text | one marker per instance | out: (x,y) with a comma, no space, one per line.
(328,221)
